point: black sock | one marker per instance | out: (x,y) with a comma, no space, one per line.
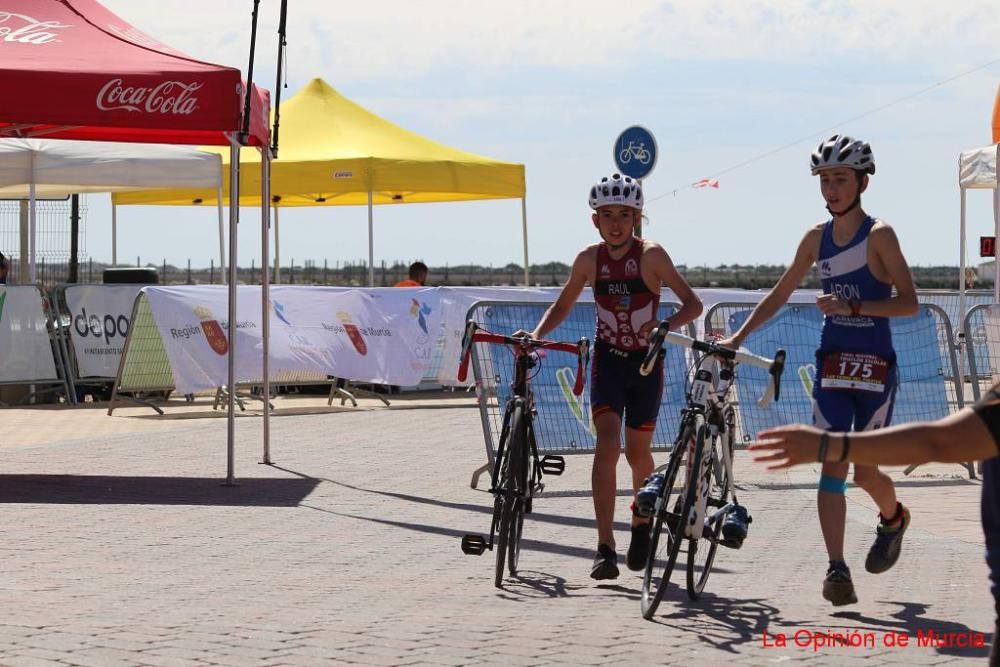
(895,517)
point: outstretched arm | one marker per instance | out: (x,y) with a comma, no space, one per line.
(558,311)
(805,257)
(960,437)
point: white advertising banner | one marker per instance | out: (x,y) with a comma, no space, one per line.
(100,316)
(381,336)
(25,347)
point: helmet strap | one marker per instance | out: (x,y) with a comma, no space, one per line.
(855,203)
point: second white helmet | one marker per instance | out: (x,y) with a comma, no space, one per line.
(841,150)
(616,189)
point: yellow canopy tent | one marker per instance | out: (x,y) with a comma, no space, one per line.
(335,153)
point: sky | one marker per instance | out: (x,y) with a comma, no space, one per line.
(550,84)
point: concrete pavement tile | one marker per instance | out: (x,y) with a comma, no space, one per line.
(25,660)
(379,660)
(178,652)
(214,571)
(98,657)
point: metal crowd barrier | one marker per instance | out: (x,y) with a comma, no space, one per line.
(58,382)
(563,424)
(97,331)
(982,326)
(144,367)
(929,378)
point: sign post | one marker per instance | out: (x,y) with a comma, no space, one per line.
(635,154)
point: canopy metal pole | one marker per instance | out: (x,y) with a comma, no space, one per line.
(996,224)
(24,248)
(32,229)
(524,236)
(961,294)
(114,233)
(234,219)
(222,239)
(961,259)
(277,248)
(371,240)
(265,291)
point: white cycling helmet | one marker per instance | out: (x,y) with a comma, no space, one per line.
(841,150)
(616,189)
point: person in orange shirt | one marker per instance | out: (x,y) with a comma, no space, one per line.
(418,276)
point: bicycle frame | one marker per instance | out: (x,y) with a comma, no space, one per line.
(517,468)
(706,420)
(709,395)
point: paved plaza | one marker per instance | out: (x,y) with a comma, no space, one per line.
(119,546)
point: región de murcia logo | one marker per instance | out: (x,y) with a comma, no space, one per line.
(23,29)
(174,97)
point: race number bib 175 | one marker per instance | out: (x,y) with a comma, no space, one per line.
(854,370)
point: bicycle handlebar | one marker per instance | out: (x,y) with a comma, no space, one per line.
(523,345)
(774,367)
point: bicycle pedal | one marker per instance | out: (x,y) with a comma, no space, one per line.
(551,464)
(473,545)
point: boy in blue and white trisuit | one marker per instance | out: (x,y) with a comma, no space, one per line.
(860,263)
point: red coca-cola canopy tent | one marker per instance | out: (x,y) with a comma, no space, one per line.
(71,69)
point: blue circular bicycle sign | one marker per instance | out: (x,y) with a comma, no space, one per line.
(635,152)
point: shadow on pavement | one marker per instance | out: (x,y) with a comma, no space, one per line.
(900,483)
(108,490)
(911,619)
(531,584)
(485,508)
(723,623)
(527,545)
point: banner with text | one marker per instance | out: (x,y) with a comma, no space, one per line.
(99,321)
(25,347)
(384,336)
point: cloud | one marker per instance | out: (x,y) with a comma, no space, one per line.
(396,39)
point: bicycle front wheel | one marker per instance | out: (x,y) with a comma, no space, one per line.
(668,529)
(519,471)
(508,535)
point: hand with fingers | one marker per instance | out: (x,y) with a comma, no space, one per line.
(833,305)
(786,446)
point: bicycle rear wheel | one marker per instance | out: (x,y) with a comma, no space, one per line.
(701,553)
(667,528)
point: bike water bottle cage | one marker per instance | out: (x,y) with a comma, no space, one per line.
(616,190)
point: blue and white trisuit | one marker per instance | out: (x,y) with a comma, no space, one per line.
(856,374)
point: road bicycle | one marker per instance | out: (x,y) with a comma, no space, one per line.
(704,448)
(517,467)
(637,151)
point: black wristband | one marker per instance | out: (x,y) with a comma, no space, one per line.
(846,450)
(824,444)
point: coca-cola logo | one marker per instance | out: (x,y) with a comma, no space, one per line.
(168,97)
(23,29)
